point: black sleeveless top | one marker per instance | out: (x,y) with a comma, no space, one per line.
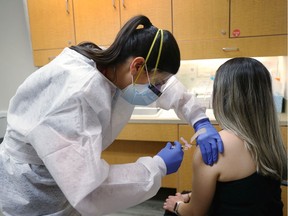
(254,195)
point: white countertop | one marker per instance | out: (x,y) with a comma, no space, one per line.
(169,117)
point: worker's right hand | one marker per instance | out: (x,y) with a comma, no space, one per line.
(172,155)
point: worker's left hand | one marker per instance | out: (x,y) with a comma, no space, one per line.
(210,143)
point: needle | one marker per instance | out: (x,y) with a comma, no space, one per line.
(186,145)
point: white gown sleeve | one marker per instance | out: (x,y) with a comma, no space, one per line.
(175,96)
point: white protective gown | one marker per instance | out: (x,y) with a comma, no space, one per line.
(59,121)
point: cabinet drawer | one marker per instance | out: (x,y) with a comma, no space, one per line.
(149,132)
(229,48)
(42,57)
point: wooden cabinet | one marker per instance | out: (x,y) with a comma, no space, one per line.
(51,28)
(52,22)
(99,21)
(203,29)
(224,29)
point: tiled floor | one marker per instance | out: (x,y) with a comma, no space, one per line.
(152,207)
(147,208)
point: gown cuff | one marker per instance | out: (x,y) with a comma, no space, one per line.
(161,164)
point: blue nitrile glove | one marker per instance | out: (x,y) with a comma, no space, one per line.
(172,155)
(210,142)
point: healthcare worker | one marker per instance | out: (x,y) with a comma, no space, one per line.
(66,113)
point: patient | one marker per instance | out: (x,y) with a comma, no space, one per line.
(246,179)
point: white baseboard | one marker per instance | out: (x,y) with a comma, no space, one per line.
(3,124)
(3,114)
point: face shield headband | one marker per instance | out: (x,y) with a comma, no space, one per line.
(152,87)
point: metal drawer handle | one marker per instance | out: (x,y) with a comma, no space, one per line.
(230,49)
(67,7)
(50,58)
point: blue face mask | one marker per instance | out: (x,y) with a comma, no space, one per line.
(141,94)
(144,94)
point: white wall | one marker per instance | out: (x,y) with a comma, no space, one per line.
(16,62)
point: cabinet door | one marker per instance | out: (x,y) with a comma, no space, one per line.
(198,19)
(196,22)
(51,24)
(258,18)
(96,21)
(159,12)
(284,131)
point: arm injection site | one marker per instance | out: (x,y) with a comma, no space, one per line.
(186,145)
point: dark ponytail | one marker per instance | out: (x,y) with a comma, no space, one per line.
(135,39)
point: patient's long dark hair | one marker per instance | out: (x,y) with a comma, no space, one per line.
(243,103)
(134,40)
